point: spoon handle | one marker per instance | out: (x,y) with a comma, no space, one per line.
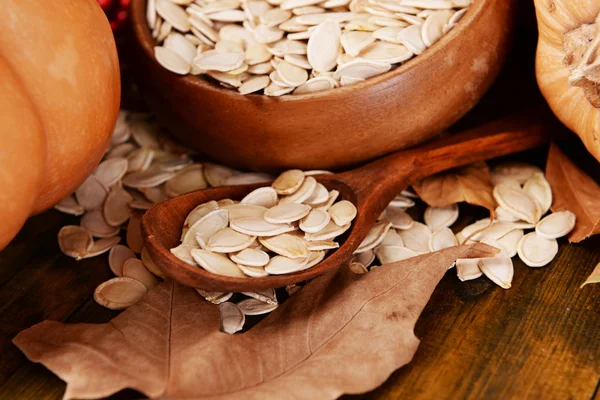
(378,182)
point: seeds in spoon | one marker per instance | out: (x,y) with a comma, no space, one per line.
(330,231)
(291,75)
(183,252)
(116,206)
(304,192)
(280,265)
(197,213)
(556,225)
(205,227)
(171,61)
(236,211)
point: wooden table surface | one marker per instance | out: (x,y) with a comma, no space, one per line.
(540,339)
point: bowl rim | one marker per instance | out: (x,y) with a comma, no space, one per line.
(145,40)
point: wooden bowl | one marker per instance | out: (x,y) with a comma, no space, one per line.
(334,128)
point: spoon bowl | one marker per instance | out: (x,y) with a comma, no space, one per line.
(370,188)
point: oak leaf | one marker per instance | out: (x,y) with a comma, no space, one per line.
(341,333)
(471,183)
(574,190)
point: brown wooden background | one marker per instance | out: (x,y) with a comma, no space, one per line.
(540,339)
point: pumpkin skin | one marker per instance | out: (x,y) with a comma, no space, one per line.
(22,154)
(575,104)
(64,55)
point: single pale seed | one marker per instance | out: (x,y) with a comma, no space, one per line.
(250,257)
(216,174)
(135,269)
(253,272)
(536,251)
(183,252)
(111,171)
(264,197)
(388,34)
(442,239)
(498,269)
(254,84)
(148,263)
(237,211)
(69,205)
(504,215)
(315,245)
(229,241)
(216,263)
(495,231)
(358,268)
(101,246)
(148,178)
(324,45)
(332,197)
(538,188)
(343,212)
(398,217)
(91,194)
(330,231)
(467,269)
(180,45)
(556,225)
(386,52)
(232,318)
(517,202)
(212,60)
(315,221)
(119,293)
(314,258)
(302,194)
(441,217)
(256,226)
(280,265)
(197,213)
(206,226)
(411,38)
(171,61)
(288,245)
(316,84)
(117,257)
(74,241)
(214,297)
(374,237)
(255,307)
(94,222)
(366,258)
(286,213)
(363,69)
(174,14)
(417,237)
(187,180)
(288,182)
(292,75)
(116,206)
(510,242)
(392,238)
(354,42)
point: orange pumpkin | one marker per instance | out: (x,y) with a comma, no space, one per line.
(60,63)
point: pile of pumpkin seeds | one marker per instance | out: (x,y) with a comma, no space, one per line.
(523,196)
(278,229)
(143,167)
(295,46)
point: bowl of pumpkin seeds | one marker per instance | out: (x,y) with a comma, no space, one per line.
(277,84)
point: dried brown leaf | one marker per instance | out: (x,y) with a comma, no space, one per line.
(471,184)
(342,333)
(574,190)
(594,276)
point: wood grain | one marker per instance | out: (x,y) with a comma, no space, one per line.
(401,108)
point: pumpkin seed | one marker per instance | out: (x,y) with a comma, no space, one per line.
(232,318)
(187,180)
(242,210)
(184,253)
(286,213)
(119,293)
(417,237)
(315,221)
(74,241)
(116,206)
(510,241)
(255,307)
(324,44)
(392,238)
(256,226)
(390,254)
(69,205)
(441,217)
(148,263)
(91,194)
(442,239)
(467,269)
(216,263)
(117,257)
(517,202)
(538,188)
(94,222)
(250,257)
(343,212)
(253,272)
(101,246)
(517,170)
(171,61)
(302,194)
(206,226)
(398,217)
(374,237)
(556,225)
(330,231)
(197,213)
(288,182)
(432,29)
(214,297)
(498,269)
(288,245)
(280,265)
(229,241)
(111,171)
(358,268)
(315,245)
(536,251)
(135,269)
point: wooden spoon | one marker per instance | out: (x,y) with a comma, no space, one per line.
(370,188)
